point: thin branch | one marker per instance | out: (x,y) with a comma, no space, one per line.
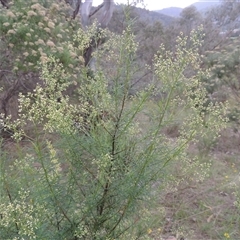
(5,70)
(11,201)
(76,11)
(96,10)
(8,95)
(4,3)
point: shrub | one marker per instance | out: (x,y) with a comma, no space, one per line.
(94,166)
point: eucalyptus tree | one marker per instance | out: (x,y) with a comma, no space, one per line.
(51,25)
(103,19)
(107,11)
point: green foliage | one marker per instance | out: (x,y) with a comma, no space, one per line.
(224,65)
(31,30)
(223,83)
(94,166)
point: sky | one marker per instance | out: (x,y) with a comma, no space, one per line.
(157,4)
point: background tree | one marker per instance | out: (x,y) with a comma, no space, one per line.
(40,26)
(189,19)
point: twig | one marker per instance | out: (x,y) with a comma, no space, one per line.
(96,10)
(77,9)
(8,95)
(4,3)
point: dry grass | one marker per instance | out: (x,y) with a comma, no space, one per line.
(206,210)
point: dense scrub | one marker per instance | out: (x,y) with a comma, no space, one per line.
(94,154)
